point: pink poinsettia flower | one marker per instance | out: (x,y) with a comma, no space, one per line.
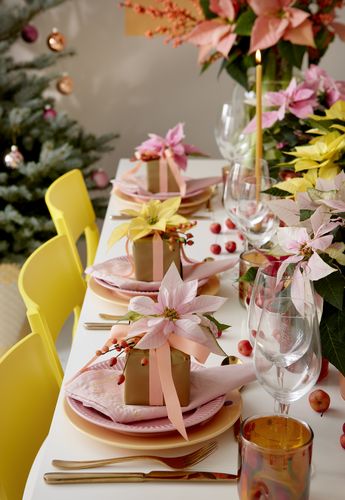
(215,34)
(277,20)
(298,99)
(177,310)
(157,145)
(304,251)
(317,78)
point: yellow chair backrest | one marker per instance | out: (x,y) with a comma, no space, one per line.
(28,392)
(52,287)
(70,207)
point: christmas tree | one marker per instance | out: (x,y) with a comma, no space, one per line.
(37,143)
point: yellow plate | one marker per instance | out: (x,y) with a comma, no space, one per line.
(211,287)
(223,420)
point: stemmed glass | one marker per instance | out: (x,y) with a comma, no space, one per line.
(255,218)
(231,140)
(287,352)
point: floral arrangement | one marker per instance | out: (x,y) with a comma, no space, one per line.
(287,117)
(179,319)
(232,30)
(172,144)
(154,216)
(315,241)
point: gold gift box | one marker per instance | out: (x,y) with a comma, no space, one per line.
(153,184)
(136,390)
(143,257)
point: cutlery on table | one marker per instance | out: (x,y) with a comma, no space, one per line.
(137,477)
(113,317)
(179,462)
(127,217)
(98,326)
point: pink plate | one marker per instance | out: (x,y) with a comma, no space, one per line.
(154,426)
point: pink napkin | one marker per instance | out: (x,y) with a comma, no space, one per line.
(137,186)
(112,272)
(98,389)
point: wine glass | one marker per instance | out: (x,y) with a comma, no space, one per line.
(242,168)
(230,138)
(255,218)
(287,352)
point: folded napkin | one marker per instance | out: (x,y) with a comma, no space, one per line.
(98,389)
(114,271)
(137,186)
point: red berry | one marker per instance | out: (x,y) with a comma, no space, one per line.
(120,379)
(229,224)
(144,361)
(241,237)
(319,400)
(342,440)
(215,228)
(219,333)
(215,248)
(123,344)
(287,174)
(324,370)
(230,246)
(190,242)
(244,347)
(113,361)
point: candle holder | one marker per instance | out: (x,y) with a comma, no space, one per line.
(248,259)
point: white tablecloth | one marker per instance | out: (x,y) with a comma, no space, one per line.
(65,441)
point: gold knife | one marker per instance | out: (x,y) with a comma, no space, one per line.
(137,477)
(128,217)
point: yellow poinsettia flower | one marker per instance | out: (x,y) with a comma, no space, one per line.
(299,184)
(152,216)
(335,112)
(322,152)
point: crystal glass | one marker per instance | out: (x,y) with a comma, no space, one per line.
(255,218)
(232,142)
(242,168)
(287,352)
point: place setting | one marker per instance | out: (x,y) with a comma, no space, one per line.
(159,174)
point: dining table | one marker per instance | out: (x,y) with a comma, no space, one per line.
(68,440)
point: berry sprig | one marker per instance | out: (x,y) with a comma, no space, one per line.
(178,234)
(120,347)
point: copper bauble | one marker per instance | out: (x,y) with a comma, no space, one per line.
(56,41)
(65,85)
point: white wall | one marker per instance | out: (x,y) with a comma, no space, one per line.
(133,85)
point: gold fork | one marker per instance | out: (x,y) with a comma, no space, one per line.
(180,462)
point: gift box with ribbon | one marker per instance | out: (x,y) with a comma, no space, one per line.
(158,235)
(139,364)
(166,158)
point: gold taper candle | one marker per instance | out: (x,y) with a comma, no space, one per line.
(258,155)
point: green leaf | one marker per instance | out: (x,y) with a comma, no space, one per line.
(249,276)
(238,73)
(331,288)
(205,8)
(220,326)
(274,191)
(322,125)
(332,334)
(292,53)
(305,214)
(245,23)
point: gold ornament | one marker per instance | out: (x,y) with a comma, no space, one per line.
(56,41)
(65,84)
(14,158)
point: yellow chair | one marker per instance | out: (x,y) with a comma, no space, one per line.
(70,207)
(52,287)
(28,391)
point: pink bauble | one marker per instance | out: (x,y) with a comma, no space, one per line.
(100,178)
(49,113)
(29,33)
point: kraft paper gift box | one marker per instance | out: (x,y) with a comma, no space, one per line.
(143,257)
(153,178)
(136,389)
